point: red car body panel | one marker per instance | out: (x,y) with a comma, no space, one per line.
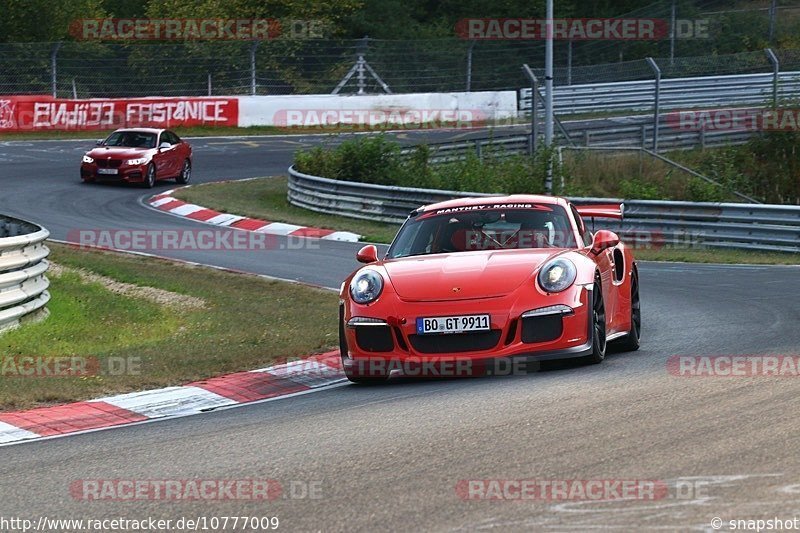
(168,162)
(501,283)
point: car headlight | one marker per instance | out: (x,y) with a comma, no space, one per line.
(140,161)
(557,275)
(366,286)
(87,159)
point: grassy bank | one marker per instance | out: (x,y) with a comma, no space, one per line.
(175,323)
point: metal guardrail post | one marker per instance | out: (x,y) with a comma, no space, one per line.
(469,65)
(253,49)
(776,71)
(54,68)
(534,106)
(657,103)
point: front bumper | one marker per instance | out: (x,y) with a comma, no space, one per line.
(125,173)
(516,342)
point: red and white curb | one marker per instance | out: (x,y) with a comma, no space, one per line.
(201,396)
(166,202)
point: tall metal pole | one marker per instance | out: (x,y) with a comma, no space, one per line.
(773,14)
(672,34)
(548,96)
(569,62)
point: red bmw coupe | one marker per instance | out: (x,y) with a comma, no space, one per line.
(139,155)
(471,283)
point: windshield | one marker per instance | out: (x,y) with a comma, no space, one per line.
(487,227)
(131,139)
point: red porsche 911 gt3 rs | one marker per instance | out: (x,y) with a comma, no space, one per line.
(471,283)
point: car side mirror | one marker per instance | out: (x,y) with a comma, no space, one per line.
(603,240)
(99,142)
(164,146)
(368,254)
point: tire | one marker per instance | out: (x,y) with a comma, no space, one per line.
(150,177)
(186,173)
(599,344)
(630,342)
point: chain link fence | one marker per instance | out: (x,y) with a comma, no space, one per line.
(317,66)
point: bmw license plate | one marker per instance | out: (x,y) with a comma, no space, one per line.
(107,171)
(452,324)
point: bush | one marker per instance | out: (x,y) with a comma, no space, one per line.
(375,159)
(767,168)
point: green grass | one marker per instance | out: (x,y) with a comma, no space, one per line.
(265,198)
(711,255)
(248,322)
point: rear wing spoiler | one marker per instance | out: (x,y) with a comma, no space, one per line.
(601,211)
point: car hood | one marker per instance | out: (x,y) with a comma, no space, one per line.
(114,152)
(464,275)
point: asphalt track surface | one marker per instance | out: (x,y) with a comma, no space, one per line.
(390,457)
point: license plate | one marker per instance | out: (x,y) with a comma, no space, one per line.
(452,324)
(107,171)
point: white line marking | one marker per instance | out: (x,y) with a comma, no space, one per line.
(278,228)
(223,219)
(186,209)
(171,401)
(9,433)
(345,236)
(162,201)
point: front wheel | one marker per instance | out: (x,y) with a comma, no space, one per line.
(186,173)
(150,177)
(598,326)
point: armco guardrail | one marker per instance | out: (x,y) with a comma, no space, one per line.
(719,225)
(23,263)
(675,93)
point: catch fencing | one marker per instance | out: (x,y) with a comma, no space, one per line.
(673,94)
